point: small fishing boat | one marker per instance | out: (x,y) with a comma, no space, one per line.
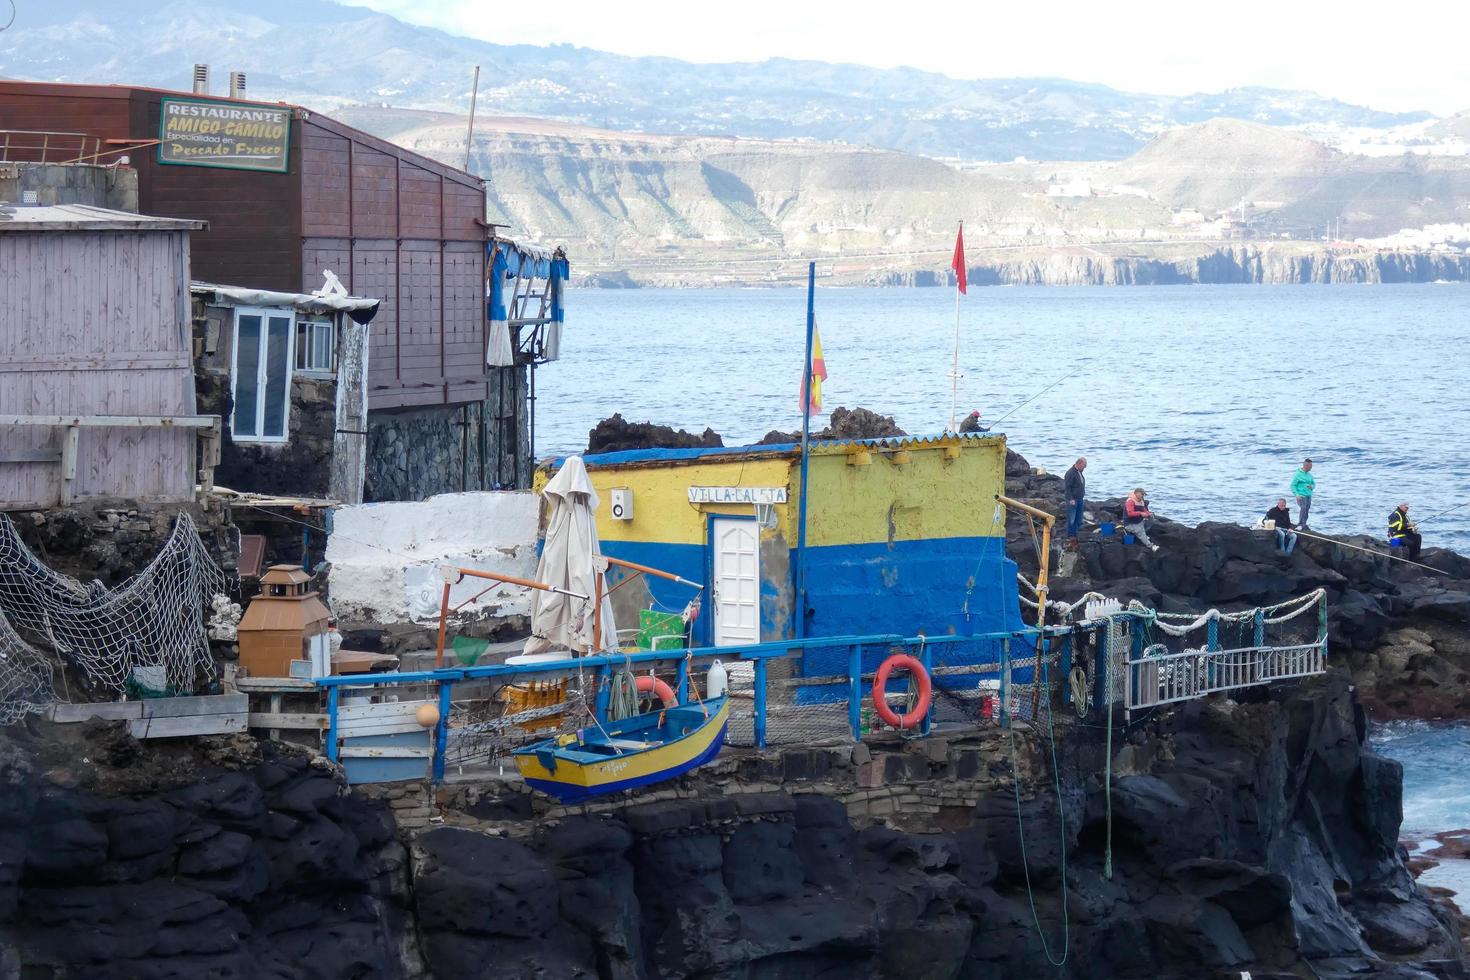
(639,750)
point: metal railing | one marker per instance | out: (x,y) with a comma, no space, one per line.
(821,683)
(1159,677)
(45,146)
(841,698)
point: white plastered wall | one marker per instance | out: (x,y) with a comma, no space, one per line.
(385,556)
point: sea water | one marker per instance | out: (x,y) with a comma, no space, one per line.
(1436,792)
(1207,396)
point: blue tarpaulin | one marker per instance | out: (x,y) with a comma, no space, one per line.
(510,262)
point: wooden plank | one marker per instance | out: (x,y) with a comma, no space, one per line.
(388,709)
(265,685)
(364,729)
(384,752)
(31,456)
(208,704)
(216,724)
(67,713)
(265,719)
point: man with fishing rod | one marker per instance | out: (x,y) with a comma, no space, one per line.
(1402,533)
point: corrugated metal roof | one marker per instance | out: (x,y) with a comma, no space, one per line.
(84,217)
(775,449)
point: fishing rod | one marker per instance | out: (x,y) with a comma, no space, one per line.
(1034,397)
(1376,554)
(1443,513)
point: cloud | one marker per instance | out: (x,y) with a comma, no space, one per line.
(1160,46)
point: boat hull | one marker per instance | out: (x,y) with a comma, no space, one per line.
(572,782)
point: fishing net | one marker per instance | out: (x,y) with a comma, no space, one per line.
(148,632)
(25,677)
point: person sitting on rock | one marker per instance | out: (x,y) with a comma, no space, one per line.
(1402,533)
(1285,530)
(972,423)
(1137,517)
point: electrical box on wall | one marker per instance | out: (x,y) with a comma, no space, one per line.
(622,504)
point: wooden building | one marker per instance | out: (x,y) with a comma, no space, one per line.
(96,379)
(299,194)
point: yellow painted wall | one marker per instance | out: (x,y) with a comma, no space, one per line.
(924,497)
(927,497)
(661,508)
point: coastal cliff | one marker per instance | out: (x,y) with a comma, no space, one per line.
(1268,263)
(1244,837)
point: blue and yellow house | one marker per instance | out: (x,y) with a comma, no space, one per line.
(904,536)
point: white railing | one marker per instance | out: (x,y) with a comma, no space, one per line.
(1159,677)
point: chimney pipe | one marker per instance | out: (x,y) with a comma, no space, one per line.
(201,79)
(237,85)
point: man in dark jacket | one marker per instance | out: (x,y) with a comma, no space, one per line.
(1074,487)
(1403,534)
(1285,530)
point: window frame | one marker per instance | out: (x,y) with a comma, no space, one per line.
(266,314)
(306,325)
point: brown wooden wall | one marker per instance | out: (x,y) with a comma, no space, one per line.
(390,223)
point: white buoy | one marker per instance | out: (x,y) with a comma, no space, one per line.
(717,680)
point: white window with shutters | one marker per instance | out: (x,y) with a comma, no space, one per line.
(260,374)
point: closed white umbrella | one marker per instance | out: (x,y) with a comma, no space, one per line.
(570,559)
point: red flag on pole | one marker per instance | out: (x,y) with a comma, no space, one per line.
(959,259)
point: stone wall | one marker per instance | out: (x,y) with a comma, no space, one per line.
(415,453)
(111,541)
(102,187)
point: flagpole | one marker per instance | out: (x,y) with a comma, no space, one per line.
(806,428)
(954,371)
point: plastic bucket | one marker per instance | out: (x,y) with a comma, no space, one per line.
(1107,529)
(1128,539)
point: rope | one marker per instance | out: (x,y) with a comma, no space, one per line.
(1062,824)
(622,700)
(1108,796)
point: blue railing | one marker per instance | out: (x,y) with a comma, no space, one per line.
(859,655)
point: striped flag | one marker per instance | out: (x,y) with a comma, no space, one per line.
(813,378)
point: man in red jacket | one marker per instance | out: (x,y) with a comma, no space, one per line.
(1136,517)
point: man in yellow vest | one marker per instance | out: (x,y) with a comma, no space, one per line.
(1402,533)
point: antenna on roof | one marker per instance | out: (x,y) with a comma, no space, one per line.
(469,139)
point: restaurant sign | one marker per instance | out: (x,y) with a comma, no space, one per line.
(229,135)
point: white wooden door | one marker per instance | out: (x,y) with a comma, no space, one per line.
(737,582)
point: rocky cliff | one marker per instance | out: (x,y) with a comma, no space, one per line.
(1256,837)
(1276,263)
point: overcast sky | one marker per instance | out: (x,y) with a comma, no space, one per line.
(1389,56)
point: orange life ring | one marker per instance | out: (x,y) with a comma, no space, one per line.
(648,684)
(880,683)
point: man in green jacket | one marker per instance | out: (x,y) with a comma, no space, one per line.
(1302,485)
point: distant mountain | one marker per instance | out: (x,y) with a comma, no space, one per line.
(328,56)
(700,210)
